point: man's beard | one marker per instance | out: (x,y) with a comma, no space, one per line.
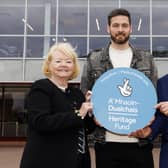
(118,40)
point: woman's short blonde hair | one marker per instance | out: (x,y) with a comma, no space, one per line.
(68,50)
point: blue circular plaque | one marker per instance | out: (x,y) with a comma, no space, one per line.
(123,100)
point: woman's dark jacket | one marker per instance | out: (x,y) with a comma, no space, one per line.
(52,126)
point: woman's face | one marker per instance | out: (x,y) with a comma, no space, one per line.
(61,65)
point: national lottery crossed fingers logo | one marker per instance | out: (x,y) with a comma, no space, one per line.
(123,100)
(126,89)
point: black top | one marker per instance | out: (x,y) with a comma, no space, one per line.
(53,126)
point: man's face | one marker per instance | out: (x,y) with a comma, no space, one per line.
(119,29)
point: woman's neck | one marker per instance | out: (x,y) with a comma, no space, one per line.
(61,83)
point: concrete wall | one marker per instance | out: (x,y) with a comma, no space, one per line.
(30,70)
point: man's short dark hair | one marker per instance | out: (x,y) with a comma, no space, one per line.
(117,12)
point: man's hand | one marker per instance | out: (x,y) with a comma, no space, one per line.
(163,107)
(141,133)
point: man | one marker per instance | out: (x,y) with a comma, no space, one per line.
(113,150)
(160,124)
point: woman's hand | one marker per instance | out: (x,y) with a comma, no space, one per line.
(85,108)
(88,96)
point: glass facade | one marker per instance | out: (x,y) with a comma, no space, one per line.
(13,117)
(12,114)
(30,27)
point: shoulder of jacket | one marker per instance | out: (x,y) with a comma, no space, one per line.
(142,52)
(42,84)
(95,52)
(163,78)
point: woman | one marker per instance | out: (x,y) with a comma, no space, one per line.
(57,115)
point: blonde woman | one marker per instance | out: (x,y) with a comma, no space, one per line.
(57,115)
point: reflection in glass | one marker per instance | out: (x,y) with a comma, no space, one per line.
(78,42)
(98,42)
(140,20)
(53,40)
(1,105)
(72,17)
(11,46)
(159,22)
(98,20)
(82,22)
(140,42)
(12,112)
(41,17)
(99,11)
(53,19)
(11,19)
(35,47)
(160,47)
(35,21)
